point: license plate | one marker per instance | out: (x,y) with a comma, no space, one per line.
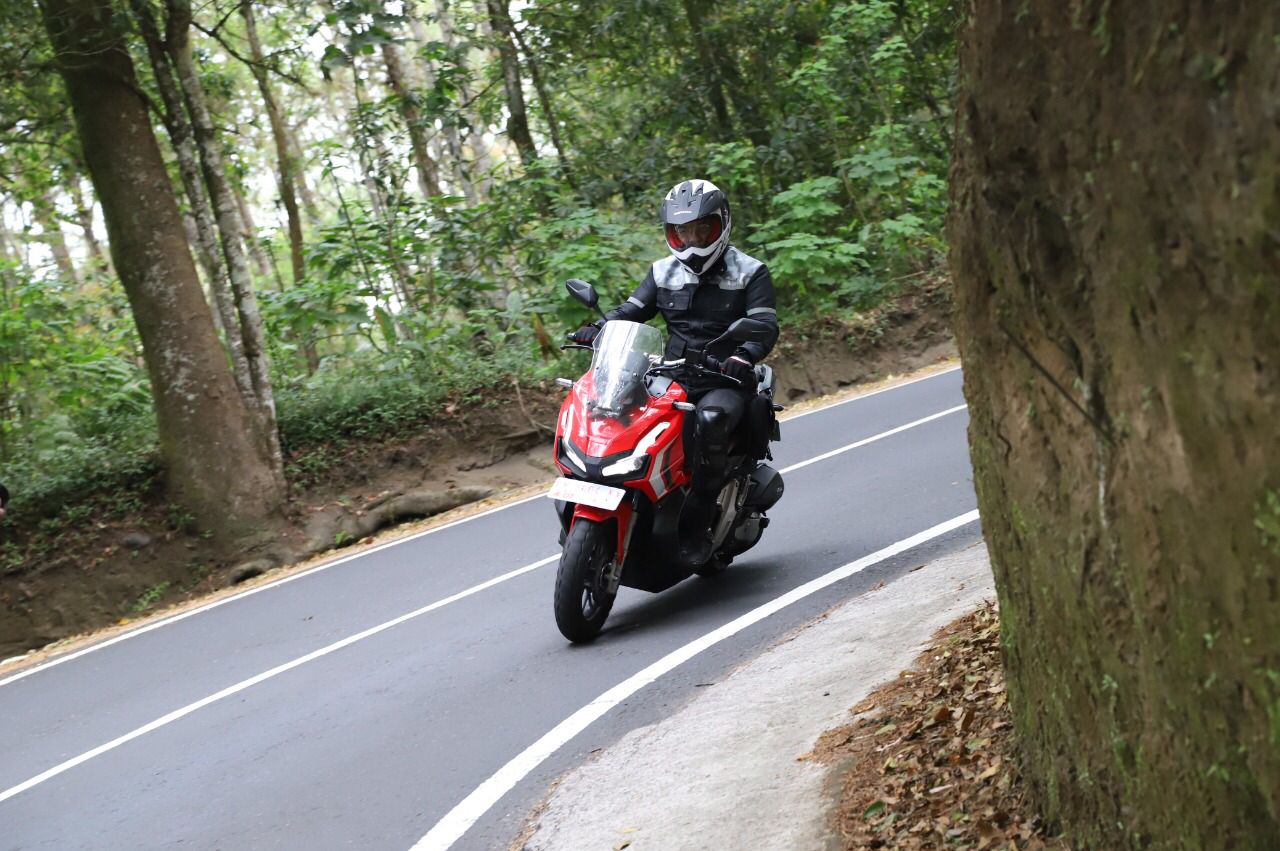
(587,493)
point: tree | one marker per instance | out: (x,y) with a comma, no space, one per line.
(406,102)
(509,58)
(286,175)
(1114,229)
(174,116)
(214,463)
(221,196)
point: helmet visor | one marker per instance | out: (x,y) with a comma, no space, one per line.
(698,233)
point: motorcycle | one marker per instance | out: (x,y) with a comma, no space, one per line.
(621,446)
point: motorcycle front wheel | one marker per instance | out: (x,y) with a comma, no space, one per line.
(580,607)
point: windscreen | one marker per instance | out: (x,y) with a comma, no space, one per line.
(624,353)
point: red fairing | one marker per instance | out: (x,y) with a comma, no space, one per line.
(605,436)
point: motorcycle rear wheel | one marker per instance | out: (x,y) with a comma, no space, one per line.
(580,607)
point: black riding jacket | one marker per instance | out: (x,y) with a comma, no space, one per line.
(699,308)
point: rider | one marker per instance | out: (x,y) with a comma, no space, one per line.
(700,290)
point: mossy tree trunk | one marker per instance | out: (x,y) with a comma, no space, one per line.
(1115,237)
(214,464)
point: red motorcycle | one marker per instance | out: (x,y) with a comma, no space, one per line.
(621,448)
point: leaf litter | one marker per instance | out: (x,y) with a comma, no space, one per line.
(929,761)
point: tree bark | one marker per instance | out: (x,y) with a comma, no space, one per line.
(424,164)
(1115,235)
(517,115)
(205,231)
(214,463)
(286,175)
(224,208)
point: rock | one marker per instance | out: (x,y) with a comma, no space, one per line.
(136,540)
(249,569)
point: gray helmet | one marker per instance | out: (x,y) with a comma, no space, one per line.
(695,216)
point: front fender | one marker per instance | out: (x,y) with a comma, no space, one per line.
(624,514)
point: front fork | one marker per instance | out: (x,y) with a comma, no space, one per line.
(625,517)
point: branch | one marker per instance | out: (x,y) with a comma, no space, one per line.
(264,66)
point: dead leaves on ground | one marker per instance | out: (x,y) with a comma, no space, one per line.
(930,760)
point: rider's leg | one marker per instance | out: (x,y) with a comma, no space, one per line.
(718,415)
(716,418)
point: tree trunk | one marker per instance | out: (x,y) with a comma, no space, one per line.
(453,140)
(481,163)
(224,209)
(517,116)
(715,83)
(214,463)
(286,176)
(205,231)
(1115,233)
(261,260)
(308,198)
(84,216)
(46,214)
(544,100)
(428,171)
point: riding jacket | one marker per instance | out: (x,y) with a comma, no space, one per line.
(699,308)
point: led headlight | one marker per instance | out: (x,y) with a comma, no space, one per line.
(572,456)
(627,465)
(636,459)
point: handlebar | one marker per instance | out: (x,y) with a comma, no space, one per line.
(713,369)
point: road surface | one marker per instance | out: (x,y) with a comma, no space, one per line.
(392,700)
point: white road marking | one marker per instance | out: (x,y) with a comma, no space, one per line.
(133,633)
(459,820)
(881,436)
(156,625)
(265,675)
(371,631)
(867,395)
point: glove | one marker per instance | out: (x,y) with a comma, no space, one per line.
(584,335)
(740,368)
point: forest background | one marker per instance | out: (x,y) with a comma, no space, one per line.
(382,199)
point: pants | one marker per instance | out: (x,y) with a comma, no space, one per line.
(716,421)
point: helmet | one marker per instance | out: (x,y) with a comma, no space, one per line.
(695,215)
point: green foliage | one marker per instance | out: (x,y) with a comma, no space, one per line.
(826,122)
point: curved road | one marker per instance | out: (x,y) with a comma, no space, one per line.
(392,698)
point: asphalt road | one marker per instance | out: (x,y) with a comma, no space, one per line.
(358,705)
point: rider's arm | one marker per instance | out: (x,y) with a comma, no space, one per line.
(643,304)
(761,306)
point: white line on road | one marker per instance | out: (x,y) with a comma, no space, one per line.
(142,630)
(881,436)
(859,396)
(134,633)
(265,675)
(371,631)
(459,820)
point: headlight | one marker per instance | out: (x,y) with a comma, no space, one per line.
(627,465)
(572,456)
(638,456)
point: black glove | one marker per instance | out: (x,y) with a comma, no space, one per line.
(584,335)
(739,367)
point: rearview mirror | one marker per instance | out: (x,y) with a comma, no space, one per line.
(749,331)
(582,291)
